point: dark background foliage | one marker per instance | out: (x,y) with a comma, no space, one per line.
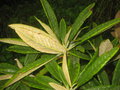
(23,11)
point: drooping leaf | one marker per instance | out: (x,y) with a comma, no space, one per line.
(116,75)
(105,46)
(22,49)
(57,87)
(29,69)
(80,20)
(38,39)
(51,16)
(95,65)
(15,41)
(98,29)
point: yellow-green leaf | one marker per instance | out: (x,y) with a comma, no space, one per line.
(57,87)
(65,69)
(13,41)
(47,28)
(4,77)
(38,39)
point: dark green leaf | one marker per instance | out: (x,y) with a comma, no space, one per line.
(30,58)
(23,87)
(92,83)
(79,55)
(56,71)
(103,78)
(98,29)
(74,68)
(14,86)
(8,68)
(40,82)
(51,16)
(80,48)
(95,65)
(80,20)
(22,49)
(116,75)
(62,29)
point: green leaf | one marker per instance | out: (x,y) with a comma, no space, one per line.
(95,65)
(92,83)
(79,55)
(98,29)
(14,86)
(80,48)
(45,80)
(22,49)
(51,16)
(8,68)
(62,29)
(80,20)
(103,78)
(39,82)
(74,68)
(105,88)
(116,75)
(56,71)
(30,58)
(30,68)
(23,87)
(31,82)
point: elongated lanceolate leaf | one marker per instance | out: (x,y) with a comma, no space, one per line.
(38,39)
(57,87)
(62,29)
(22,49)
(6,68)
(13,41)
(4,77)
(65,69)
(98,29)
(30,68)
(80,20)
(51,16)
(116,75)
(95,65)
(56,71)
(47,28)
